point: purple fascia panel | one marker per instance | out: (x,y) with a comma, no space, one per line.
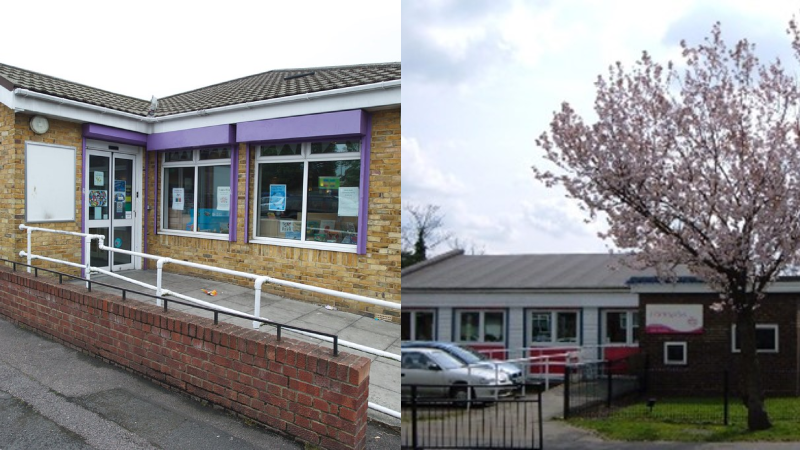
(195,137)
(95,131)
(314,126)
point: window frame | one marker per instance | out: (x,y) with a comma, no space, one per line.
(195,163)
(481,326)
(683,345)
(412,323)
(554,327)
(630,336)
(306,157)
(759,326)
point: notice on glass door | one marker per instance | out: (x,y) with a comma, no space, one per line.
(177,198)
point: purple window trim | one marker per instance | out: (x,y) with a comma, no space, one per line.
(313,126)
(95,131)
(83,203)
(247,195)
(234,200)
(363,195)
(217,135)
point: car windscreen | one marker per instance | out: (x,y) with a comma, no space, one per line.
(445,360)
(474,354)
(465,354)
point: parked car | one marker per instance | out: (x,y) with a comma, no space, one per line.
(472,357)
(440,375)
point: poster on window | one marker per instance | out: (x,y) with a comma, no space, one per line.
(674,319)
(177,199)
(98,198)
(277,197)
(329,182)
(98,178)
(223,198)
(348,202)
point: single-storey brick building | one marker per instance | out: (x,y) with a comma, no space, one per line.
(293,174)
(526,305)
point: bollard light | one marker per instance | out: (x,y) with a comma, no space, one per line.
(650,403)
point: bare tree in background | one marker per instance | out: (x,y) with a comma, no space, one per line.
(422,230)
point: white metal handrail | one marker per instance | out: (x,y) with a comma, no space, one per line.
(258,282)
(160,291)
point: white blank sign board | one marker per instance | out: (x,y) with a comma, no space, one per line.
(49,183)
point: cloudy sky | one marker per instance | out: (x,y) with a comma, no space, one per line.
(481,80)
(163,47)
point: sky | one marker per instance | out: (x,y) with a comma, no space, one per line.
(481,80)
(148,48)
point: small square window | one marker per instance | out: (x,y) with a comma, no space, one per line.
(675,353)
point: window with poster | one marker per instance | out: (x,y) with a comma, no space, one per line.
(196,192)
(307,194)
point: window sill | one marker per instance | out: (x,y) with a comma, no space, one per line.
(192,234)
(343,248)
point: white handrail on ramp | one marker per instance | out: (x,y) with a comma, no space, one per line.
(257,283)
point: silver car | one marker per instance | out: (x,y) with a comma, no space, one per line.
(439,375)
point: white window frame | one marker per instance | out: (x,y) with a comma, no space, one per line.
(305,157)
(554,327)
(196,163)
(412,322)
(481,326)
(683,346)
(761,326)
(629,335)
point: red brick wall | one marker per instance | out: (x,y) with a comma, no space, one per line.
(290,386)
(709,353)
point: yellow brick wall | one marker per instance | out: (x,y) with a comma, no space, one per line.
(375,274)
(14,132)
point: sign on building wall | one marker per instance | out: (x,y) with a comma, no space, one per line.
(674,319)
(49,183)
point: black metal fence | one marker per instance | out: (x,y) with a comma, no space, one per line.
(591,386)
(443,423)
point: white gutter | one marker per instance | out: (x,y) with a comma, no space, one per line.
(384,85)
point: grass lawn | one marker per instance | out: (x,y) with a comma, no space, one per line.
(695,420)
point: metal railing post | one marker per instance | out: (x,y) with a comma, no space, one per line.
(159,269)
(608,374)
(257,305)
(725,396)
(29,249)
(414,417)
(87,247)
(566,391)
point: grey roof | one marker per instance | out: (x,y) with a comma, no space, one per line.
(525,272)
(263,86)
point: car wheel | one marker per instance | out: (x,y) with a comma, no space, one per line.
(459,396)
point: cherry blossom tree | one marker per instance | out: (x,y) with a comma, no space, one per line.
(697,165)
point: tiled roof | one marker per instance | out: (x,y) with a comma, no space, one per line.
(14,77)
(263,86)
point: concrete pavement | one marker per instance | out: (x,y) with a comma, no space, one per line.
(384,387)
(52,397)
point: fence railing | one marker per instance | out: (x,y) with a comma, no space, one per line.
(436,422)
(590,386)
(258,281)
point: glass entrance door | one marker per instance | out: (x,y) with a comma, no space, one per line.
(110,207)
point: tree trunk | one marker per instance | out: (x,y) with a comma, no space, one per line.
(752,391)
